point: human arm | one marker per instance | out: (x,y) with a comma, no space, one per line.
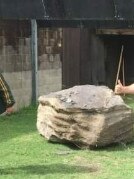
(7,100)
(9,110)
(120,89)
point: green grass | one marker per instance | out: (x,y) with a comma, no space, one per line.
(129,99)
(25,154)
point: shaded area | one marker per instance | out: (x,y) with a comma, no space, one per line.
(95,13)
(67,9)
(49,169)
(22,122)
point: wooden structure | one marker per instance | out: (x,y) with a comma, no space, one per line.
(83,58)
(90,49)
(92,56)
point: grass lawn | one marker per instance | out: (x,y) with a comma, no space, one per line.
(25,154)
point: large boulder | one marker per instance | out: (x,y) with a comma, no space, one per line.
(85,115)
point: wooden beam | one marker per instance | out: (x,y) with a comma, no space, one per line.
(115,31)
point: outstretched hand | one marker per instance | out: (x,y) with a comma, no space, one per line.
(9,110)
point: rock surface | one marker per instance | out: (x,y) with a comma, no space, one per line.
(85,115)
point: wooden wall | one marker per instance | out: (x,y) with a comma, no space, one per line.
(71,57)
(83,58)
(89,58)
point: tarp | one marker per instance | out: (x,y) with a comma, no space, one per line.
(73,12)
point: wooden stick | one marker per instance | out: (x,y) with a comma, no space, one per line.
(123,73)
(119,65)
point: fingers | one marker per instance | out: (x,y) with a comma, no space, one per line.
(9,110)
(119,82)
(118,88)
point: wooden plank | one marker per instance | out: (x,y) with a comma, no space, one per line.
(115,31)
(71,57)
(83,58)
(97,59)
(85,62)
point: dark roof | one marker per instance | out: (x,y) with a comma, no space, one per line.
(71,12)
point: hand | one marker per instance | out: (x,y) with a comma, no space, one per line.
(119,88)
(9,110)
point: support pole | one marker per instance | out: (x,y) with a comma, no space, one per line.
(34,57)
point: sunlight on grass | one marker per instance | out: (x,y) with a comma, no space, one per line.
(129,99)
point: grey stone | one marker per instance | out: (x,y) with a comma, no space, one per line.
(85,115)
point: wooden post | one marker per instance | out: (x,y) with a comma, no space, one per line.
(34,56)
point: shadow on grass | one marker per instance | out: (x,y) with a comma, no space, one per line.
(115,147)
(65,143)
(19,123)
(109,148)
(49,169)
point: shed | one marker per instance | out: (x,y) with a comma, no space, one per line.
(93,34)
